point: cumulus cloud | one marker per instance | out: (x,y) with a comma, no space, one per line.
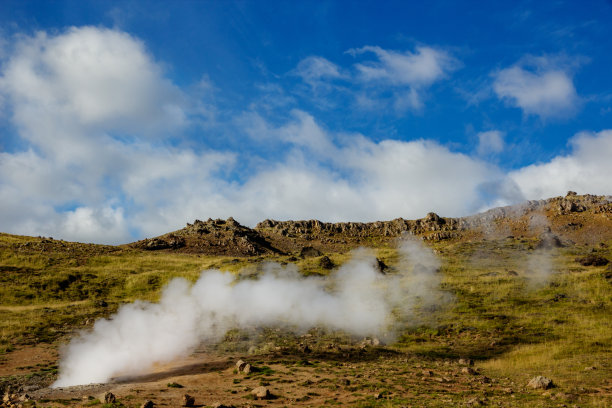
(586,169)
(88,102)
(538,86)
(490,142)
(96,164)
(89,78)
(352,177)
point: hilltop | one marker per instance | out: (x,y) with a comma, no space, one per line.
(584,219)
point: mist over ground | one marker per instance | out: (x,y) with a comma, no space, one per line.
(357,299)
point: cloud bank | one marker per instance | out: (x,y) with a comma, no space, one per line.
(101,155)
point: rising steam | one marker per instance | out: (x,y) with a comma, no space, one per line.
(357,298)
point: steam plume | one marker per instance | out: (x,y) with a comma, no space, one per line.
(357,298)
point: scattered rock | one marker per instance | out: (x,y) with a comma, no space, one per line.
(261,393)
(310,252)
(188,400)
(540,382)
(592,260)
(220,405)
(108,398)
(474,402)
(240,365)
(548,240)
(244,368)
(466,361)
(382,267)
(468,370)
(147,404)
(326,263)
(569,206)
(370,342)
(303,348)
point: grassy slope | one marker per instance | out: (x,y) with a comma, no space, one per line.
(510,328)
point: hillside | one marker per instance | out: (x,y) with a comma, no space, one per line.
(520,292)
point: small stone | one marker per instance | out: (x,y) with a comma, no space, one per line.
(377,395)
(147,404)
(466,361)
(326,263)
(468,370)
(247,369)
(590,368)
(108,398)
(474,402)
(261,393)
(540,382)
(240,365)
(188,400)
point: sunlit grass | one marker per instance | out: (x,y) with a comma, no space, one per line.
(509,326)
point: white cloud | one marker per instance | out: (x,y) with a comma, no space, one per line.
(77,180)
(407,74)
(586,169)
(69,94)
(89,78)
(357,179)
(313,69)
(392,79)
(538,87)
(490,142)
(421,68)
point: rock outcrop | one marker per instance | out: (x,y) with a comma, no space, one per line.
(212,237)
(552,223)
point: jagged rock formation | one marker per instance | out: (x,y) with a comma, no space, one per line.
(218,237)
(555,222)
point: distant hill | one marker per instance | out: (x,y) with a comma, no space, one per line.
(584,219)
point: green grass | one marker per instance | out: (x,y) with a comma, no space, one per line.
(511,327)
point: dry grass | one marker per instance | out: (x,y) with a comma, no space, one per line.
(512,328)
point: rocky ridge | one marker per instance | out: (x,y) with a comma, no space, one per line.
(575,218)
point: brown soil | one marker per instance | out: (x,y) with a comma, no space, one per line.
(345,376)
(25,360)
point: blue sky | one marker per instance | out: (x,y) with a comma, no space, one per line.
(127,119)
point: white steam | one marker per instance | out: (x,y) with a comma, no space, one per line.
(357,299)
(539,264)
